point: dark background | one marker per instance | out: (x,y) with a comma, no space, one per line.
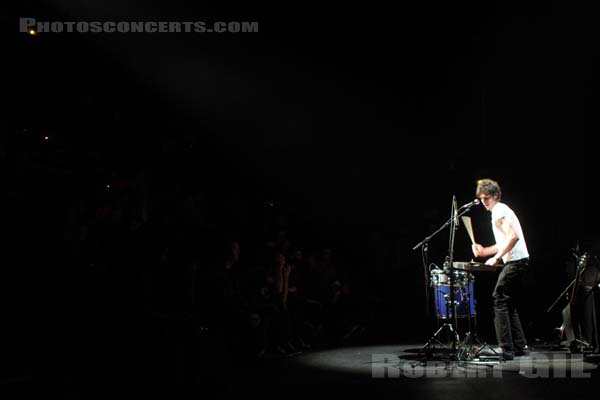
(348,126)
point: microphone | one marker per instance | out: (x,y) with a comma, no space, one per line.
(471,204)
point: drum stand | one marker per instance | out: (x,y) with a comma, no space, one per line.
(446,328)
(428,348)
(450,311)
(473,347)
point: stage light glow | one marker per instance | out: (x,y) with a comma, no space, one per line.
(32,32)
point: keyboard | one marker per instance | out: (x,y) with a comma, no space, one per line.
(473,266)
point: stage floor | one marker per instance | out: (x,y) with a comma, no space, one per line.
(400,371)
(391,370)
(372,364)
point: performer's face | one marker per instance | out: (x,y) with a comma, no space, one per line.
(488,201)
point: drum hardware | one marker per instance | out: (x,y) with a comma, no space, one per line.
(472,347)
(449,307)
(472,266)
(454,295)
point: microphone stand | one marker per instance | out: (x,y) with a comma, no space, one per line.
(452,222)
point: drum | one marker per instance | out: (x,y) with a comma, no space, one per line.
(442,277)
(463,294)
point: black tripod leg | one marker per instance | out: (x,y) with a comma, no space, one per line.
(435,338)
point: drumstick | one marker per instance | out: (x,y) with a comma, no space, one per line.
(467,222)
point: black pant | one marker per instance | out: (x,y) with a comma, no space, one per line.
(508,296)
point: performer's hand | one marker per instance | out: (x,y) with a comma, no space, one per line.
(477,249)
(492,261)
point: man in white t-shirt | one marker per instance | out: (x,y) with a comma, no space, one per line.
(511,248)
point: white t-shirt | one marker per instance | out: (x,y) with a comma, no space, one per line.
(519,250)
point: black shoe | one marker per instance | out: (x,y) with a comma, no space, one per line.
(522,352)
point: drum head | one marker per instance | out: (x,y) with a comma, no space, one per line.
(438,277)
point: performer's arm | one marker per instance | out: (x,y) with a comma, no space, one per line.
(481,251)
(510,239)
